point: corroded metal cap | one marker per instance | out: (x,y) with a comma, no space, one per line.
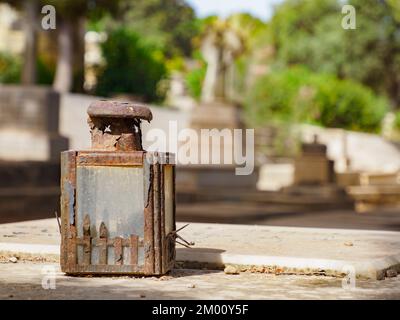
(116,125)
(119,109)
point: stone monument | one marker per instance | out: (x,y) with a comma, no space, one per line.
(313,165)
(29,120)
(217,112)
(30,145)
(315,179)
(220,47)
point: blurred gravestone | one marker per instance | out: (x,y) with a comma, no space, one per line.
(315,178)
(313,165)
(29,120)
(30,146)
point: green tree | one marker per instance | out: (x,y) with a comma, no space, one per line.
(247,28)
(397,120)
(131,67)
(194,80)
(30,9)
(71,16)
(168,24)
(373,52)
(299,27)
(10,68)
(298,95)
(309,32)
(71,20)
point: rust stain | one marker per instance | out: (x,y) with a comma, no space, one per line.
(102,244)
(118,251)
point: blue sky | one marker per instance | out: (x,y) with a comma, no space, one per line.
(260,8)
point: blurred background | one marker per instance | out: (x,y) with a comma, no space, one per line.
(324,101)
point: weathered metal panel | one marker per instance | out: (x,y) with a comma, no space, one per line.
(105,269)
(118,251)
(100,257)
(67,183)
(157,218)
(110,159)
(134,250)
(162,220)
(102,194)
(169,199)
(148,223)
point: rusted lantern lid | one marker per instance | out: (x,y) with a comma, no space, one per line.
(116,125)
(119,109)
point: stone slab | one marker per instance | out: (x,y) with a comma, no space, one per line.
(24,281)
(29,121)
(33,108)
(252,248)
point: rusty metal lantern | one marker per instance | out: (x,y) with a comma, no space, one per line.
(117,200)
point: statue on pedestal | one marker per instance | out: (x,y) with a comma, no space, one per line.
(218,114)
(221,45)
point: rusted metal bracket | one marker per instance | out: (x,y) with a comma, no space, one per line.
(185,243)
(58,221)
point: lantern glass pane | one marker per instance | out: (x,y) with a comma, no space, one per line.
(115,196)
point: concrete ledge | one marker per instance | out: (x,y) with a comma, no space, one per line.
(375,270)
(280,250)
(25,248)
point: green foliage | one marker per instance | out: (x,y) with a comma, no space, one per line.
(10,68)
(247,28)
(397,121)
(194,78)
(309,32)
(71,9)
(294,28)
(374,54)
(131,67)
(45,73)
(194,81)
(348,104)
(168,24)
(297,95)
(270,98)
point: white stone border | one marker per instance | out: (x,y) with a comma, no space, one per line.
(374,269)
